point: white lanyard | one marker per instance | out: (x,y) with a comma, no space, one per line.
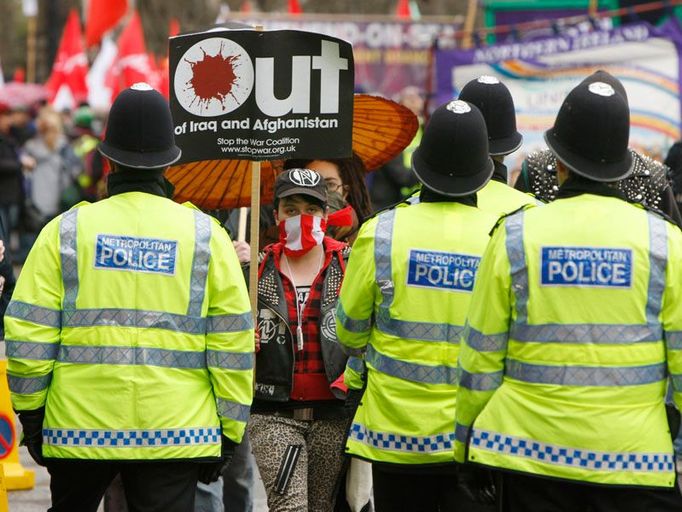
(299,328)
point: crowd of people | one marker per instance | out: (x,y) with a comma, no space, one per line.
(464,345)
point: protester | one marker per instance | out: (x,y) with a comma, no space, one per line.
(7,279)
(572,332)
(129,335)
(673,161)
(10,173)
(402,307)
(347,195)
(56,165)
(298,422)
(648,184)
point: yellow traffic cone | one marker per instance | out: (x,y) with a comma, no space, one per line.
(4,503)
(15,476)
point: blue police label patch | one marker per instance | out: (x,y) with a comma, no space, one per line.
(136,254)
(586,266)
(444,270)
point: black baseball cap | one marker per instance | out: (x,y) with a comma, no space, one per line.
(305,182)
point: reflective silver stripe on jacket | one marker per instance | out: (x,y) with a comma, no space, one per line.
(151,438)
(410,371)
(34,314)
(673,340)
(587,333)
(402,443)
(480,381)
(144,356)
(516,254)
(38,351)
(658,260)
(229,323)
(351,324)
(485,342)
(28,385)
(134,318)
(68,250)
(230,360)
(202,255)
(462,433)
(548,453)
(422,331)
(233,410)
(585,375)
(356,364)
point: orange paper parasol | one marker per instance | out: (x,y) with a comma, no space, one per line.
(381,130)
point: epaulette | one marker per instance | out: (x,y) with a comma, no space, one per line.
(514,212)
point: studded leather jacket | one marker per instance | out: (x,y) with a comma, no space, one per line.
(648,184)
(275,360)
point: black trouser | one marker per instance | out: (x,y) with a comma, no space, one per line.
(411,489)
(78,485)
(525,493)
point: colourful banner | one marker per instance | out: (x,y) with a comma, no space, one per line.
(540,74)
(389,54)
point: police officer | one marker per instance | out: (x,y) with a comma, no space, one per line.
(647,184)
(402,307)
(573,327)
(129,335)
(496,104)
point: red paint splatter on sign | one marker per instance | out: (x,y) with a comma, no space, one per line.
(214,77)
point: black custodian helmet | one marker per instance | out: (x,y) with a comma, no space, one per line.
(591,131)
(452,158)
(139,131)
(496,104)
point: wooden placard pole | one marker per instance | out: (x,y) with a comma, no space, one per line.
(254,236)
(241,231)
(31,30)
(469,23)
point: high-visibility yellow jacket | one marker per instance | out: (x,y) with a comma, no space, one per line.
(574,323)
(402,305)
(131,324)
(502,199)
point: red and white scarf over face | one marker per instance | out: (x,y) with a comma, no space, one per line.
(301,233)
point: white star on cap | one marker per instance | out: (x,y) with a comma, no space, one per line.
(488,80)
(601,89)
(142,86)
(458,107)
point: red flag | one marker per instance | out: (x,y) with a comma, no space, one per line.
(132,63)
(103,15)
(402,10)
(294,7)
(173,27)
(70,67)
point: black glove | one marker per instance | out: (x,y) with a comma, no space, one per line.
(211,471)
(32,426)
(476,483)
(352,402)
